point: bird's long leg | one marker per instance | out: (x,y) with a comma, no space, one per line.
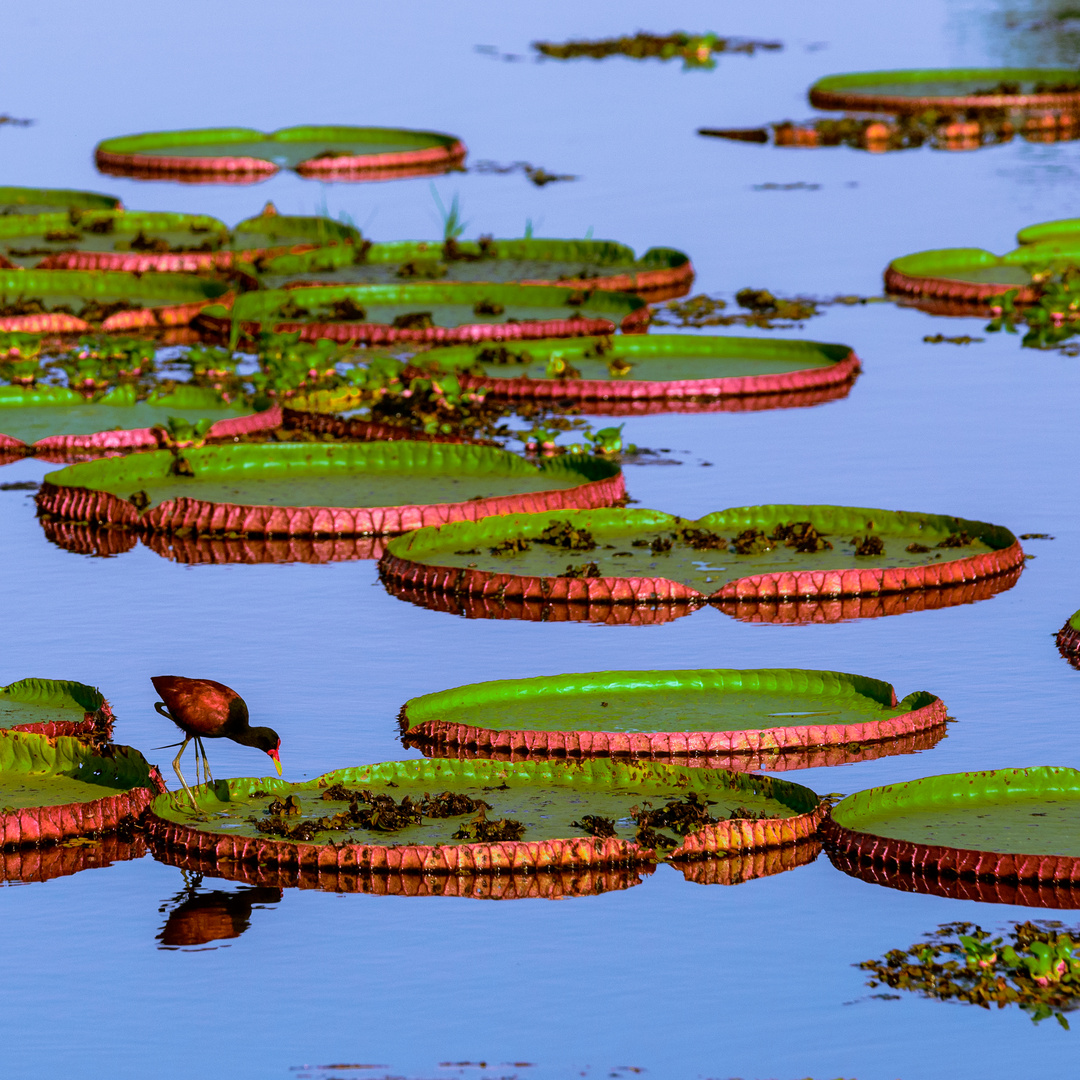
(180,775)
(207,778)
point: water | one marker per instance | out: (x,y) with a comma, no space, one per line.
(681,979)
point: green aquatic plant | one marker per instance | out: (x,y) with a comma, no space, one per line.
(1035,965)
(695,50)
(1053,319)
(453,226)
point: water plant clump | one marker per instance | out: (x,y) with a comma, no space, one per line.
(1053,318)
(1033,964)
(695,50)
(761,309)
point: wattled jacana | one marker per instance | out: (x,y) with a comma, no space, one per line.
(204,709)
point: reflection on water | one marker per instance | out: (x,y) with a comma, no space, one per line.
(69,857)
(197,918)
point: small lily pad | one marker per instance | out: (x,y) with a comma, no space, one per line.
(32,200)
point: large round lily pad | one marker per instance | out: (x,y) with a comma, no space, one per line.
(70,301)
(1012,824)
(972,276)
(32,200)
(310,489)
(53,789)
(243,154)
(650,367)
(638,558)
(659,274)
(949,89)
(1068,640)
(437,314)
(704,715)
(1063,229)
(54,707)
(424,816)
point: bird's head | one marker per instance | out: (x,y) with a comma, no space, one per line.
(267,740)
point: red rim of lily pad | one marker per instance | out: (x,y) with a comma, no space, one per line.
(1068,640)
(552,884)
(952,792)
(660,274)
(594,312)
(828,366)
(856,91)
(66,858)
(425,723)
(182,296)
(405,560)
(936,281)
(166,824)
(117,769)
(995,891)
(97,718)
(71,494)
(134,155)
(248,243)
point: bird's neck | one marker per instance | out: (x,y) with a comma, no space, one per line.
(253,736)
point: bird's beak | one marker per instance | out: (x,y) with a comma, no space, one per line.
(277,761)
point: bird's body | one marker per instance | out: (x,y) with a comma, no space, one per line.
(205,709)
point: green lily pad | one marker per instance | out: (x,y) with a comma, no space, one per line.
(54,707)
(418,306)
(550,801)
(229,150)
(916,90)
(89,294)
(585,263)
(32,200)
(634,359)
(1018,812)
(29,239)
(705,555)
(51,789)
(779,704)
(332,239)
(1064,230)
(976,266)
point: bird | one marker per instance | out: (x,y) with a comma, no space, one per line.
(205,709)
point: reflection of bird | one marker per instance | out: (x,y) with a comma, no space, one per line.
(204,709)
(202,917)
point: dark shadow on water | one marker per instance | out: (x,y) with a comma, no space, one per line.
(197,918)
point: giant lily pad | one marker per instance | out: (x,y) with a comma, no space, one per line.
(706,716)
(659,274)
(655,367)
(1068,640)
(53,789)
(69,301)
(32,200)
(949,89)
(972,276)
(1065,230)
(244,155)
(1012,824)
(54,707)
(433,313)
(424,816)
(635,559)
(307,489)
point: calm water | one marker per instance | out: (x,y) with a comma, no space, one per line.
(680,979)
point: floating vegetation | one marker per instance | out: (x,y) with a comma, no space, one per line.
(1033,965)
(14,121)
(762,309)
(941,339)
(534,173)
(695,50)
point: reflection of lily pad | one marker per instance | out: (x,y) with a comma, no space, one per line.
(69,857)
(69,301)
(243,154)
(665,367)
(655,714)
(53,789)
(385,314)
(1013,824)
(944,89)
(423,815)
(1068,640)
(581,264)
(643,557)
(309,489)
(54,707)
(32,200)
(735,869)
(974,276)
